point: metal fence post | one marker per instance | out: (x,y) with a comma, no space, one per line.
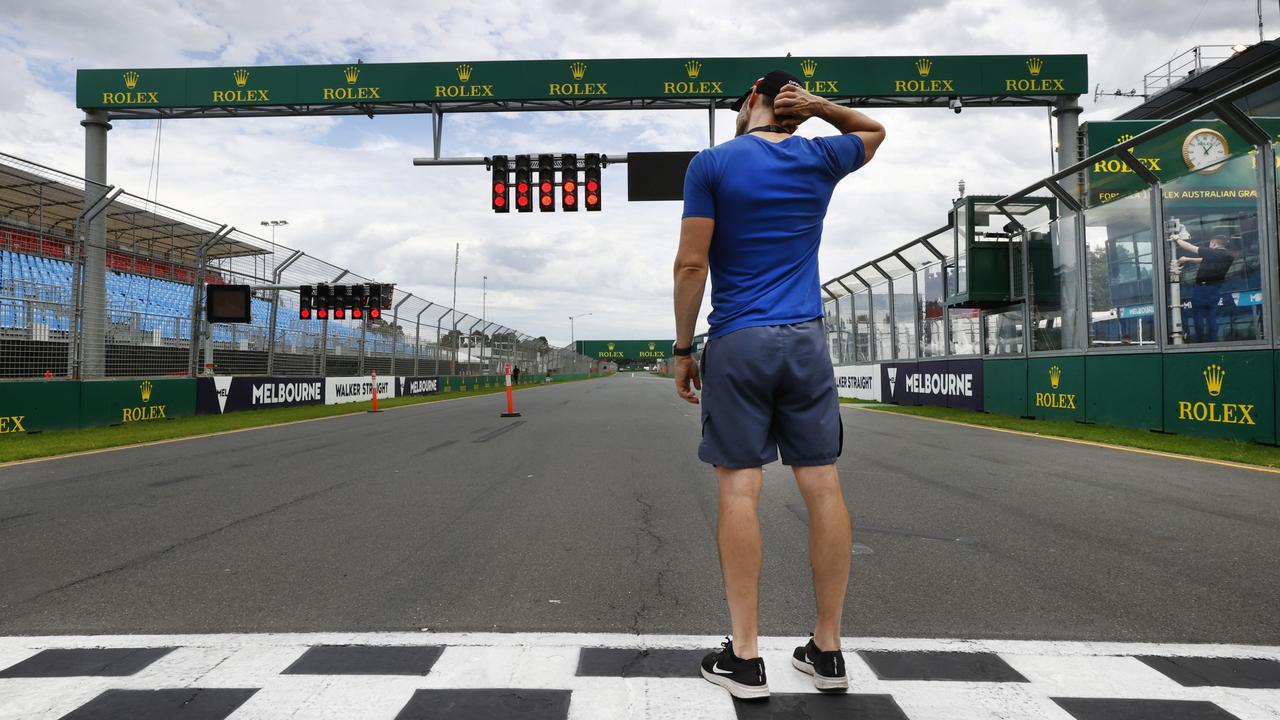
(275,309)
(202,257)
(395,328)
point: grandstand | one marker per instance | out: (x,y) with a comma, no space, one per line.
(152,263)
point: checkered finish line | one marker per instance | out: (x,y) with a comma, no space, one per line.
(476,676)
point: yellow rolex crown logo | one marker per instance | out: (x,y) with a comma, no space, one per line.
(241,76)
(145,388)
(1124,138)
(610,346)
(464,72)
(131,79)
(924,66)
(578,70)
(352,73)
(1035,65)
(652,345)
(693,67)
(1055,376)
(808,67)
(1213,377)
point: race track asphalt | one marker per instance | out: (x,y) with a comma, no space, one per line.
(591,513)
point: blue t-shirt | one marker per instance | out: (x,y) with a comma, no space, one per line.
(768,201)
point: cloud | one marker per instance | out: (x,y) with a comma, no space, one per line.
(353,199)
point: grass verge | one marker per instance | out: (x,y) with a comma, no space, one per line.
(1228,450)
(45,444)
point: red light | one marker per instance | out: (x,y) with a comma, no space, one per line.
(306,313)
(546,187)
(570,186)
(322,313)
(592,186)
(592,199)
(500,188)
(570,199)
(500,201)
(522,187)
(522,200)
(355,313)
(339,314)
(375,313)
(546,199)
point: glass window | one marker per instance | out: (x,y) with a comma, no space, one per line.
(961,284)
(1212,219)
(833,331)
(930,291)
(862,326)
(1002,332)
(846,329)
(965,335)
(1121,293)
(881,320)
(1054,289)
(904,316)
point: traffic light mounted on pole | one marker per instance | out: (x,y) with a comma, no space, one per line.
(591,162)
(546,183)
(524,184)
(569,182)
(501,184)
(540,192)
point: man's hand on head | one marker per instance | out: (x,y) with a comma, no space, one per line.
(793,105)
(686,374)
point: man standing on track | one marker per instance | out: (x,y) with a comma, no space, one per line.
(753,212)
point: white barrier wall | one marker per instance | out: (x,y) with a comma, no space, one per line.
(858,381)
(339,390)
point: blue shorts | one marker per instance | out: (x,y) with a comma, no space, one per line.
(767,390)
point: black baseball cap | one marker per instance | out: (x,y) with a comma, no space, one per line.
(769,85)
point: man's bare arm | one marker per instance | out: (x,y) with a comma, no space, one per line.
(691,267)
(800,104)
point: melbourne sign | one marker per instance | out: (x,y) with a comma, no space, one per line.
(224,393)
(950,383)
(418,385)
(701,78)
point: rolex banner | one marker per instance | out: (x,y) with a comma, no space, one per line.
(946,383)
(224,393)
(338,390)
(115,402)
(418,385)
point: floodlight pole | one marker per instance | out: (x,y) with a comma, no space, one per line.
(93,321)
(275,303)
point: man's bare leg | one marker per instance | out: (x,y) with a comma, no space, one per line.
(830,548)
(738,534)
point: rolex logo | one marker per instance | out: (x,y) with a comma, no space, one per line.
(131,79)
(652,345)
(923,66)
(145,389)
(1055,376)
(610,346)
(464,72)
(241,76)
(692,68)
(1124,138)
(808,67)
(578,70)
(352,74)
(1034,66)
(1213,377)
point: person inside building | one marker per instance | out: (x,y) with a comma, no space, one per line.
(1213,262)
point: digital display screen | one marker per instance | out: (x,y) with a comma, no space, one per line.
(227,303)
(656,175)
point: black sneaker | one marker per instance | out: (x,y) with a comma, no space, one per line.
(744,679)
(827,668)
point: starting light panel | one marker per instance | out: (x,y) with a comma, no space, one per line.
(364,301)
(546,183)
(339,302)
(359,300)
(524,188)
(593,189)
(501,186)
(569,182)
(305,294)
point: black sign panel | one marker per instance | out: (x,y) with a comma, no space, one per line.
(946,383)
(419,385)
(227,304)
(222,394)
(656,175)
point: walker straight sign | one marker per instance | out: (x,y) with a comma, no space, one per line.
(338,390)
(950,383)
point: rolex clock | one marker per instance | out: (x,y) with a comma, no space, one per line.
(1204,147)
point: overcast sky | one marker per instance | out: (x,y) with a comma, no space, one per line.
(351,196)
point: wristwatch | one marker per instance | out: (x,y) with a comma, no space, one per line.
(681,351)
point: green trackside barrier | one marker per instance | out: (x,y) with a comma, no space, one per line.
(1004,387)
(1055,388)
(28,406)
(113,402)
(1221,394)
(1124,390)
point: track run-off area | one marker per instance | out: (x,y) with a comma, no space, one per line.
(563,564)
